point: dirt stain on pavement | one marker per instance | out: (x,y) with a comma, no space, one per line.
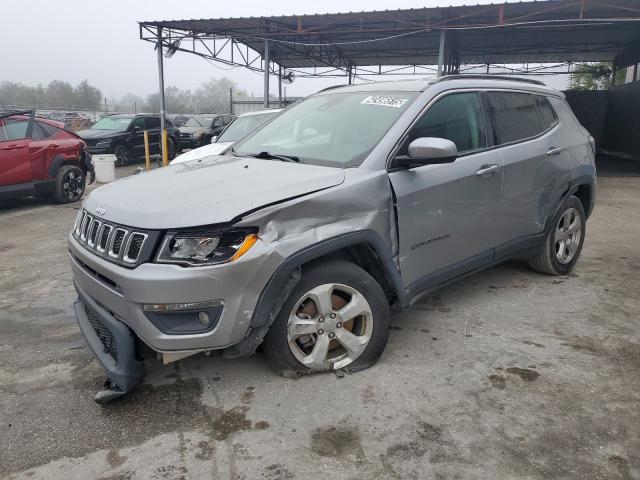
(114,459)
(277,471)
(497,381)
(339,441)
(227,422)
(525,374)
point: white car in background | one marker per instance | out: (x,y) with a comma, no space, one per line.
(239,128)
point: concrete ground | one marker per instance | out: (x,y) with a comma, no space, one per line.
(507,374)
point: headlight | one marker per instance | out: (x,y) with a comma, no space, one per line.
(197,135)
(200,248)
(103,143)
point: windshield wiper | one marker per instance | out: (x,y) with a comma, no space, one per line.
(270,156)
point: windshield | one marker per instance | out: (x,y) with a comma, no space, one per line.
(337,130)
(198,122)
(112,123)
(242,126)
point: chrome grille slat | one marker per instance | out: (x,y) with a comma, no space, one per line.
(134,247)
(85,227)
(117,240)
(103,238)
(94,228)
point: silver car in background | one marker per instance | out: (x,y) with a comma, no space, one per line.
(304,235)
(236,130)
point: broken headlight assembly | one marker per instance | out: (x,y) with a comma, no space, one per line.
(201,248)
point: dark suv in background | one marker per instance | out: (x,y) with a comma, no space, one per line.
(199,129)
(123,135)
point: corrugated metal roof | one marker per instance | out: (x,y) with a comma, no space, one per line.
(532,31)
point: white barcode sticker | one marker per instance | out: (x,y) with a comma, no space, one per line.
(384,101)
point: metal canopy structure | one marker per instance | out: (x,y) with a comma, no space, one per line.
(379,42)
(412,41)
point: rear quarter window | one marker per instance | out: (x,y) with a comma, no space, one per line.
(546,111)
(515,116)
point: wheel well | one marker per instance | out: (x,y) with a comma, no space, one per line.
(584,195)
(366,258)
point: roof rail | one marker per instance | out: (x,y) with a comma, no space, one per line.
(331,88)
(489,77)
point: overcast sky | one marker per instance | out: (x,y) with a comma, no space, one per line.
(74,40)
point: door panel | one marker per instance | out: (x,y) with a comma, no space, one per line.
(449,213)
(532,153)
(446,213)
(14,153)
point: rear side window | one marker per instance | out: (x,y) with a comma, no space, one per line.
(456,117)
(49,130)
(152,122)
(547,113)
(515,116)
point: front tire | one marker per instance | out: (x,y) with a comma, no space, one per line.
(122,155)
(563,244)
(336,318)
(70,184)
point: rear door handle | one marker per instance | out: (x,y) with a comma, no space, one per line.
(554,150)
(487,170)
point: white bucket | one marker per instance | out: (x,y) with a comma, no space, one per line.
(105,167)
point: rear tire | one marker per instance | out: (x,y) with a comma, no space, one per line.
(348,331)
(563,243)
(70,184)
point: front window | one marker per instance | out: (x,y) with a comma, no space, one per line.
(456,117)
(334,129)
(242,126)
(198,122)
(112,123)
(13,129)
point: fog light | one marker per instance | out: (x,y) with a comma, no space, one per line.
(204,318)
(180,307)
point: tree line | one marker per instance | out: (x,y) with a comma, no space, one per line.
(211,96)
(58,94)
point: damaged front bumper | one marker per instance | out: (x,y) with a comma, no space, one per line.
(112,343)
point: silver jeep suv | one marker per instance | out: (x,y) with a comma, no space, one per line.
(350,203)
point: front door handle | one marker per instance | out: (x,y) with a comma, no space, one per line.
(554,151)
(487,170)
(13,147)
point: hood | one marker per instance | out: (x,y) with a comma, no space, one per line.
(201,152)
(207,191)
(193,129)
(90,134)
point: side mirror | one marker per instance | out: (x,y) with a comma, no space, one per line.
(428,151)
(136,128)
(214,138)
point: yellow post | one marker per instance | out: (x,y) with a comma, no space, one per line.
(147,158)
(165,153)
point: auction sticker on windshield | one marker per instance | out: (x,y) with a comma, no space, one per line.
(384,101)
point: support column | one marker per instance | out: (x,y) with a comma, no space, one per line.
(350,73)
(441,53)
(161,87)
(279,86)
(266,73)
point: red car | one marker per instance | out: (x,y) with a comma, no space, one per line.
(39,157)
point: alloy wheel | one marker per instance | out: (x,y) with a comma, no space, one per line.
(72,185)
(329,327)
(567,236)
